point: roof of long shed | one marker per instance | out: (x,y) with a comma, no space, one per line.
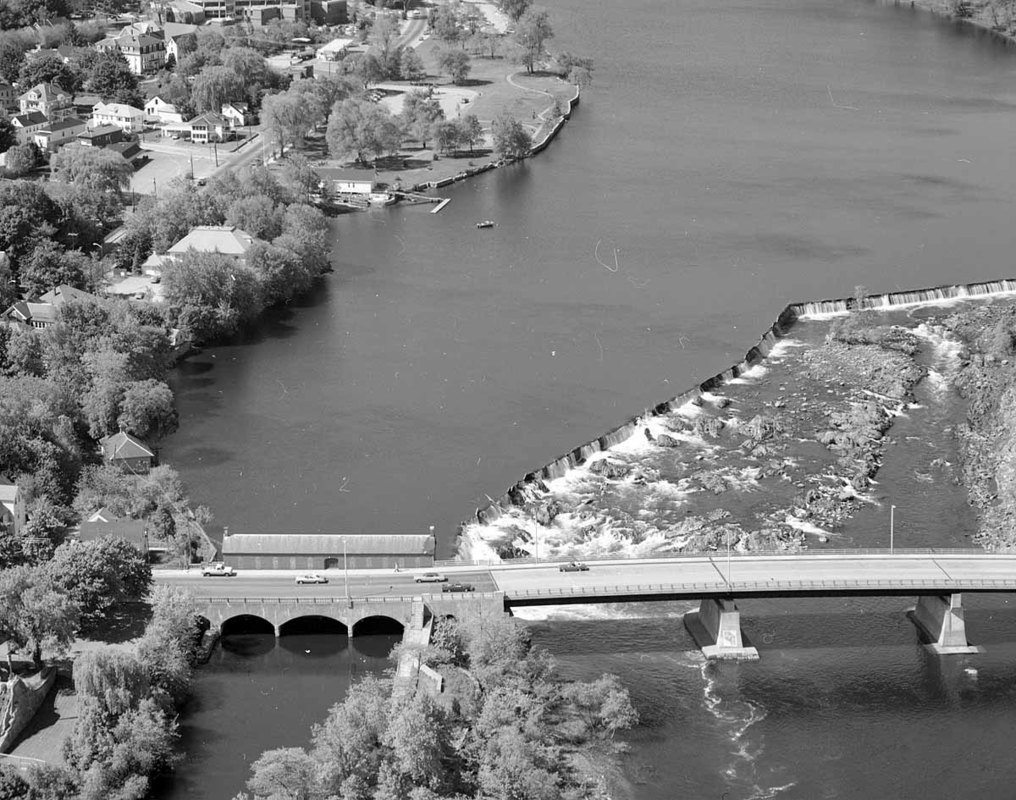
(327,544)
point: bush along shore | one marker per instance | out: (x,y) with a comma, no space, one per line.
(502,726)
(781,450)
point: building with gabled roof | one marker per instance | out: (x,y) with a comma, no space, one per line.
(27,125)
(48,99)
(8,97)
(127,452)
(13,511)
(209,127)
(127,118)
(157,108)
(33,315)
(225,239)
(144,53)
(100,136)
(58,133)
(134,531)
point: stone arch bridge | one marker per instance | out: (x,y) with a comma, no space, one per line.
(353,616)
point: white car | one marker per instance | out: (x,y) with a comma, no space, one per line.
(217,570)
(430,577)
(311,577)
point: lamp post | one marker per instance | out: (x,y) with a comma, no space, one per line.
(728,558)
(892,527)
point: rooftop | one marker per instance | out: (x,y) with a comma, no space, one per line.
(123,445)
(328,544)
(225,239)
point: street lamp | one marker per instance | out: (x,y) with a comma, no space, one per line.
(892,527)
(345,567)
(728,558)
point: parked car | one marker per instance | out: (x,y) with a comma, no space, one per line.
(574,566)
(217,570)
(430,577)
(458,587)
(311,577)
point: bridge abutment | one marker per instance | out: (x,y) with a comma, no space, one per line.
(716,629)
(940,618)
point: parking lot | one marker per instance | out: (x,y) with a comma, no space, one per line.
(172,158)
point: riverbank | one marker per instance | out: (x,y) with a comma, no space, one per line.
(991,17)
(780,450)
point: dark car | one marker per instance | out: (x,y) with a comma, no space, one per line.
(574,566)
(458,587)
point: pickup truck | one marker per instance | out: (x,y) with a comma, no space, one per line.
(217,570)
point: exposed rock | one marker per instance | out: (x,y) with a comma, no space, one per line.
(708,426)
(667,441)
(612,470)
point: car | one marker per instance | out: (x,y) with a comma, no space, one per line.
(311,577)
(217,570)
(574,566)
(458,587)
(430,577)
(202,181)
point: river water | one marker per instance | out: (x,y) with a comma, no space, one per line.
(730,157)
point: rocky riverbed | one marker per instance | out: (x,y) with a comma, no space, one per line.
(784,456)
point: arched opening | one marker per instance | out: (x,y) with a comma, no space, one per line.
(248,635)
(378,626)
(331,563)
(313,636)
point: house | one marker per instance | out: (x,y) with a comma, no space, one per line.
(32,315)
(238,115)
(327,551)
(214,9)
(145,53)
(100,136)
(209,127)
(127,118)
(184,12)
(131,153)
(131,454)
(328,12)
(224,239)
(158,109)
(8,97)
(48,99)
(134,531)
(27,125)
(65,294)
(13,513)
(56,134)
(180,39)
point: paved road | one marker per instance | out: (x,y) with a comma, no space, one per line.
(279,583)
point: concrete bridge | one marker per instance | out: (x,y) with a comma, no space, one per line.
(352,616)
(936,578)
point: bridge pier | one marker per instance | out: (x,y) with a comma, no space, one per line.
(940,619)
(716,629)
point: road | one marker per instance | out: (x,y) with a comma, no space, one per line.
(871,573)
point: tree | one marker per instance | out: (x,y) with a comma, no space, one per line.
(34,612)
(447,135)
(470,130)
(249,66)
(514,8)
(289,116)
(8,136)
(12,56)
(91,168)
(411,66)
(257,215)
(284,773)
(111,78)
(576,69)
(511,140)
(383,39)
(419,738)
(420,112)
(22,159)
(455,63)
(445,24)
(116,679)
(46,267)
(49,69)
(147,409)
(531,34)
(98,574)
(27,214)
(212,295)
(214,87)
(357,127)
(12,785)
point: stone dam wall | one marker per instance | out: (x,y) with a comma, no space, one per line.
(518,492)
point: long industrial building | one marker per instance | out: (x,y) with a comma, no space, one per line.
(327,551)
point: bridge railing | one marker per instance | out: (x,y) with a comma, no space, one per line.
(734,587)
(858,551)
(453,596)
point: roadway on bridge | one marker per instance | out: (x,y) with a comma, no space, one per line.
(279,583)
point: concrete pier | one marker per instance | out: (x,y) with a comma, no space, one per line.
(940,620)
(716,629)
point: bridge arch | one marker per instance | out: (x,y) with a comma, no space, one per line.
(312,624)
(246,623)
(378,624)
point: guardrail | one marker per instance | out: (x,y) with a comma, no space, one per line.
(327,601)
(783,586)
(870,551)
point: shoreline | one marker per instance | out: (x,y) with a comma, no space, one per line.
(979,21)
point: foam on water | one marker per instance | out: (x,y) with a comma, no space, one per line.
(751,375)
(606,611)
(807,527)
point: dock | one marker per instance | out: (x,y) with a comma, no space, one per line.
(440,205)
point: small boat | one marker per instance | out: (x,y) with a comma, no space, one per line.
(487,223)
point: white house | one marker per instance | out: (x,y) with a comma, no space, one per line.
(12,506)
(209,127)
(144,53)
(27,125)
(159,109)
(238,114)
(56,134)
(126,118)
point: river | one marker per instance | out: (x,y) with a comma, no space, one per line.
(729,157)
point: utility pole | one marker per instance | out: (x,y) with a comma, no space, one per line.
(892,528)
(728,558)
